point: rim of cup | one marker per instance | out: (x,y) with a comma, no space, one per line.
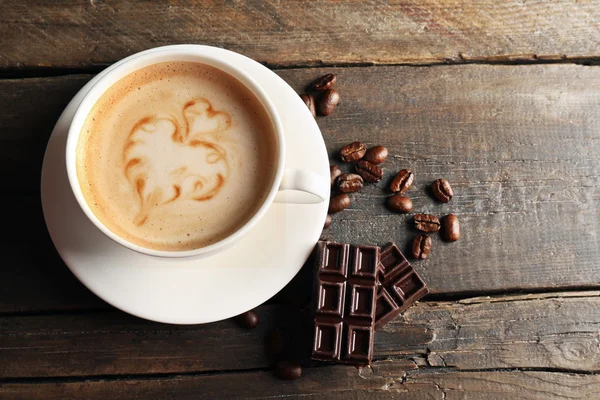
(175,53)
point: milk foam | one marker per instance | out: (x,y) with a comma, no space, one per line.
(176,156)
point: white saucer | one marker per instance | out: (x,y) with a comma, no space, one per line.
(199,290)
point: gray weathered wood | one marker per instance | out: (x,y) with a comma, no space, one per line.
(558,332)
(384,380)
(520,145)
(76,33)
(502,385)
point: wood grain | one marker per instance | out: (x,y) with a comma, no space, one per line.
(384,380)
(558,332)
(501,385)
(33,278)
(81,33)
(520,147)
(30,108)
(519,144)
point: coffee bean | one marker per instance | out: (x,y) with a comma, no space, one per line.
(353,152)
(442,190)
(421,247)
(426,222)
(288,370)
(323,83)
(328,102)
(450,228)
(328,221)
(376,155)
(334,172)
(275,343)
(309,100)
(402,181)
(399,203)
(339,203)
(349,183)
(248,320)
(369,172)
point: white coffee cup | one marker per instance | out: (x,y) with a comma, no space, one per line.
(300,180)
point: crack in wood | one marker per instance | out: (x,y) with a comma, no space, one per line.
(29,72)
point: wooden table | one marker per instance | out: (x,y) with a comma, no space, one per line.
(500,97)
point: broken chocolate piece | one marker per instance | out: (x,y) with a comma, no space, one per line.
(399,285)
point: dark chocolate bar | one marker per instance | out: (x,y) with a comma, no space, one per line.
(399,285)
(345,296)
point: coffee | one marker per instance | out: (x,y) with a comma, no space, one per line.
(349,183)
(402,181)
(176,156)
(370,172)
(339,203)
(421,247)
(400,204)
(426,222)
(442,191)
(353,152)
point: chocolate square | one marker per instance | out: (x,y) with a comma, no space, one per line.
(328,341)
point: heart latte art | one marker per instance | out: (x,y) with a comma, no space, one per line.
(176,156)
(200,168)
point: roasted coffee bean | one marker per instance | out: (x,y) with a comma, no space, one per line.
(309,100)
(450,228)
(339,203)
(328,102)
(376,155)
(334,172)
(421,247)
(353,152)
(369,172)
(349,183)
(442,191)
(275,343)
(248,320)
(323,83)
(426,222)
(399,203)
(288,370)
(328,221)
(402,181)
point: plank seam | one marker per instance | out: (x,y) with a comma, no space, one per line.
(463,298)
(174,376)
(44,72)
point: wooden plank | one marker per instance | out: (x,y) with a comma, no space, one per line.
(520,145)
(30,108)
(33,278)
(558,332)
(111,343)
(501,385)
(385,380)
(69,33)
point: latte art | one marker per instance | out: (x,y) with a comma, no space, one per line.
(201,168)
(176,156)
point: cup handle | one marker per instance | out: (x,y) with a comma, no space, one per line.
(305,181)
